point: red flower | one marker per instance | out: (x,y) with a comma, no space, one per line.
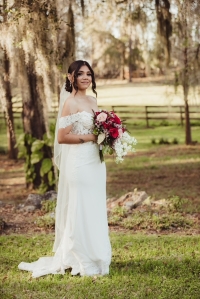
(114,132)
(105,125)
(117,120)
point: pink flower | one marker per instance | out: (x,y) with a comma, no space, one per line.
(102,117)
(120,131)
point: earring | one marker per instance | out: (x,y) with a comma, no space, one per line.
(70,84)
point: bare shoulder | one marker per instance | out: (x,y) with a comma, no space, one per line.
(92,99)
(69,107)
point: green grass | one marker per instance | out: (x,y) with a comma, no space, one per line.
(142,267)
(138,130)
(152,219)
(3,135)
(145,136)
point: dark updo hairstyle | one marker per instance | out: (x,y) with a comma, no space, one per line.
(75,67)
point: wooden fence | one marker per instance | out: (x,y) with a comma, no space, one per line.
(134,113)
(148,113)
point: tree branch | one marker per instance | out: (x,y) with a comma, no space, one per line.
(120,2)
(197,52)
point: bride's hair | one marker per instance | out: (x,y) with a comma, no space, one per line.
(75,67)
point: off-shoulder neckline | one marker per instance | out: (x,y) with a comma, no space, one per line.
(79,112)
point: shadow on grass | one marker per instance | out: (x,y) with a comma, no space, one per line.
(171,267)
(145,278)
(173,277)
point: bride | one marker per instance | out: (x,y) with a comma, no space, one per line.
(81,230)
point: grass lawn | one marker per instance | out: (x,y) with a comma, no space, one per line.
(143,266)
(160,170)
(157,133)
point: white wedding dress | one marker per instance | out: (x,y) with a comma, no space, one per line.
(81,238)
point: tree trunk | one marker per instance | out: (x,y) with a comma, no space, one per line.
(83,7)
(130,47)
(69,51)
(12,150)
(129,60)
(33,110)
(34,124)
(122,72)
(164,25)
(188,135)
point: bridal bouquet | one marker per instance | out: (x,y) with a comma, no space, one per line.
(113,137)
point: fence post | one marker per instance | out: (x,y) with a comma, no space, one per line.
(181,116)
(146,115)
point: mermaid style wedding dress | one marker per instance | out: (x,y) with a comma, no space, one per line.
(81,237)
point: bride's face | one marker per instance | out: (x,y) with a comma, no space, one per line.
(84,78)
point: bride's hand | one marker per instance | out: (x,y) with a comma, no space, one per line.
(94,138)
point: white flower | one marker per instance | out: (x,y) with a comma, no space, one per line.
(101,138)
(123,145)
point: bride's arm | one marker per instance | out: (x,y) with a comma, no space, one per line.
(64,135)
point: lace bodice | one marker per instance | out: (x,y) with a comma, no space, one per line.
(82,122)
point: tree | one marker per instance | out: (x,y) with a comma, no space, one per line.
(6,96)
(39,41)
(66,35)
(164,26)
(186,46)
(35,57)
(115,41)
(178,31)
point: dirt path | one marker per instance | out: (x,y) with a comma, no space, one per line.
(12,181)
(164,172)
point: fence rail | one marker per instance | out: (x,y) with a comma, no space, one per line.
(148,113)
(145,113)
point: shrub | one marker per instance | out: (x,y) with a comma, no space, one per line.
(164,123)
(175,141)
(163,141)
(48,206)
(176,203)
(152,220)
(46,221)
